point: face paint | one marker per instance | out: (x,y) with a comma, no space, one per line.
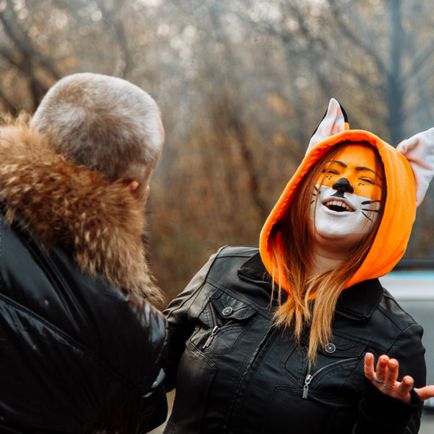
(347,195)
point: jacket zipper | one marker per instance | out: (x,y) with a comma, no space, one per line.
(215,328)
(210,337)
(307,381)
(309,376)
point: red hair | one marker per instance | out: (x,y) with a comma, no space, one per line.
(312,298)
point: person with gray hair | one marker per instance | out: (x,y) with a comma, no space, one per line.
(81,335)
(104,123)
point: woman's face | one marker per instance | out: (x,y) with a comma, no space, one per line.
(347,196)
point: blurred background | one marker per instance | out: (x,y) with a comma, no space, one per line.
(241,85)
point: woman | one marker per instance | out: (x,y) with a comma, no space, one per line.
(283,340)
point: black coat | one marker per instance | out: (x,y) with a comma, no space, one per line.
(234,372)
(73,354)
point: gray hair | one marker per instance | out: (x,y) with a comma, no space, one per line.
(102,122)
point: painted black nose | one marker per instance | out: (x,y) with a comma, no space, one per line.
(342,185)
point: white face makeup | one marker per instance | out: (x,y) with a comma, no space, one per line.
(347,198)
(347,218)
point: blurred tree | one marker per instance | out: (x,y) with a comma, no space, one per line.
(241,84)
(24,57)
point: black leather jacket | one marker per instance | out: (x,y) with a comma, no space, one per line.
(234,372)
(73,354)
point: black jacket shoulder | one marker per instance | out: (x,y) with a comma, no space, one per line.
(72,347)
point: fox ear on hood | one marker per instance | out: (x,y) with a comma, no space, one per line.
(419,151)
(334,121)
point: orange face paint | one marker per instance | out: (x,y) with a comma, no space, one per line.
(357,164)
(346,198)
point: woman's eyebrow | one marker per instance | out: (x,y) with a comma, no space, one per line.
(366,168)
(341,163)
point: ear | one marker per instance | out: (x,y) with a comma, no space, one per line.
(419,151)
(133,185)
(334,121)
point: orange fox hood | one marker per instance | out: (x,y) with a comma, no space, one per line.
(398,217)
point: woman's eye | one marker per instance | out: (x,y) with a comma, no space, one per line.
(333,171)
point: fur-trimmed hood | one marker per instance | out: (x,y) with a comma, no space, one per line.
(70,206)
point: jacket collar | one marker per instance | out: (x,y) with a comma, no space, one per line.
(77,209)
(357,302)
(253,269)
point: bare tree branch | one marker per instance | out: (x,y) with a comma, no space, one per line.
(351,35)
(231,112)
(23,42)
(419,61)
(7,103)
(394,91)
(9,55)
(115,25)
(313,52)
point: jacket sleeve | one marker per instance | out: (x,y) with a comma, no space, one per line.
(180,322)
(153,405)
(135,355)
(379,413)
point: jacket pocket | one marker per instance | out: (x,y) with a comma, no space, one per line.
(195,377)
(221,323)
(337,374)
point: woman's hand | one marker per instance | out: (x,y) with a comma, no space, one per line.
(385,378)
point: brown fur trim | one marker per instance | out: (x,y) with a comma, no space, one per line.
(76,208)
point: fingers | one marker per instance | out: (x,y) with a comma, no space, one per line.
(403,389)
(379,374)
(391,373)
(369,366)
(407,384)
(382,366)
(425,392)
(384,376)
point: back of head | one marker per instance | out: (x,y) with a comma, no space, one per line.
(104,123)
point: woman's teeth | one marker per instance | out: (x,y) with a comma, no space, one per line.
(338,205)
